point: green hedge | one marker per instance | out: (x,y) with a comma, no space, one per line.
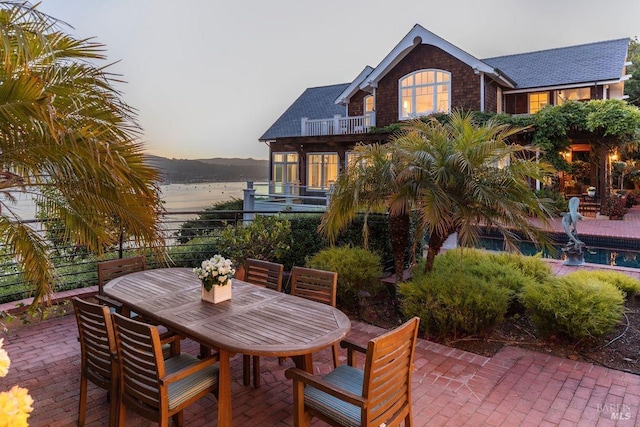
(358,270)
(575,307)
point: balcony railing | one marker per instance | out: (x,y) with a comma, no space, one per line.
(338,125)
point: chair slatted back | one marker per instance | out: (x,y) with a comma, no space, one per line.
(315,285)
(264,273)
(97,354)
(111,269)
(387,374)
(97,342)
(142,366)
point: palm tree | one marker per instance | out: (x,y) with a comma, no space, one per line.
(467,175)
(68,138)
(370,184)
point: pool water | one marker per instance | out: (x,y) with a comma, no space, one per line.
(594,255)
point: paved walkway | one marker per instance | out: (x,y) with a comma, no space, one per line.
(451,387)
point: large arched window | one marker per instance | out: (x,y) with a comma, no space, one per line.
(424,92)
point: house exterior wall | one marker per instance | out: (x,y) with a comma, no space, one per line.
(465,84)
(490,96)
(356,103)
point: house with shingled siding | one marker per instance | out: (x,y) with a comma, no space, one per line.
(311,141)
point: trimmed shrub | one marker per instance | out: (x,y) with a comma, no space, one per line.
(575,307)
(266,238)
(627,284)
(454,302)
(510,271)
(358,270)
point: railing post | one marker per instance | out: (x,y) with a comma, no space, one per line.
(248,204)
(336,125)
(303,126)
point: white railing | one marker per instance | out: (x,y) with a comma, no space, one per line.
(338,125)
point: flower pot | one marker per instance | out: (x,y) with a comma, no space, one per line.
(217,293)
(591,193)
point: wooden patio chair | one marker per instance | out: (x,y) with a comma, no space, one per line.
(378,395)
(269,275)
(97,355)
(264,273)
(312,284)
(316,285)
(151,386)
(108,270)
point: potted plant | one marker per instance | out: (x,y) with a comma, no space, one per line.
(265,238)
(591,191)
(614,207)
(215,274)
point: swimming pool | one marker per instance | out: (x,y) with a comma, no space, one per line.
(592,254)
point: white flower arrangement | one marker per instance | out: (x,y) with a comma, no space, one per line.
(215,271)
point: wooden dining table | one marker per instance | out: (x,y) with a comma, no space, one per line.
(256,321)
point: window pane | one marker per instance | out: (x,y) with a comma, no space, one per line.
(407,108)
(330,170)
(424,99)
(537,101)
(292,157)
(430,77)
(277,157)
(443,98)
(407,81)
(368,103)
(314,171)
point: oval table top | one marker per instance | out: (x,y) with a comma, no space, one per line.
(256,321)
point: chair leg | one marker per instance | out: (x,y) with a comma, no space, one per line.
(82,407)
(113,403)
(300,417)
(408,420)
(178,419)
(246,369)
(256,371)
(335,356)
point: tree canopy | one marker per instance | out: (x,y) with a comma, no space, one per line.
(68,138)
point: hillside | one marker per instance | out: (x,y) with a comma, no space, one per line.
(211,170)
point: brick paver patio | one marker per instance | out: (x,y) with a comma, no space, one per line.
(515,387)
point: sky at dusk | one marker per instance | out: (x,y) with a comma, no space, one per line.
(209,77)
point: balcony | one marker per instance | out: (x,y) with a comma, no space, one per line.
(338,125)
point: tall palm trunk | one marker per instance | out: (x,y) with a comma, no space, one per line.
(399,232)
(435,244)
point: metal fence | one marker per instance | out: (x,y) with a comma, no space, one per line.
(189,237)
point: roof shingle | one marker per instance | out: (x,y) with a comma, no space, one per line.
(593,62)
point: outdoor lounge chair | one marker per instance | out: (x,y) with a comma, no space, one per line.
(379,395)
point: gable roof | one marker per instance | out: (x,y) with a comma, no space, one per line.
(587,63)
(420,35)
(314,103)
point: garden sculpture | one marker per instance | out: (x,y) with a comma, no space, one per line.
(574,248)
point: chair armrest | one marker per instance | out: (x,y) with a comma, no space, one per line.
(183,373)
(172,339)
(298,375)
(352,348)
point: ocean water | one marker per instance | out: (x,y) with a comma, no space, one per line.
(177,198)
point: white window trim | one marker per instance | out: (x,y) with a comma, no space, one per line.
(435,93)
(286,179)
